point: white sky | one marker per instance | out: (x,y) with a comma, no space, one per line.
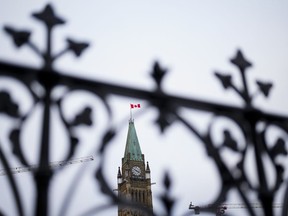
(192,39)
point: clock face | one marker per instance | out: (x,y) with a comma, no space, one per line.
(136,170)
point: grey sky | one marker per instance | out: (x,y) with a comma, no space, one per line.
(192,39)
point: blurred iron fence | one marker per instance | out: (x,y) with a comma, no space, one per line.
(247,118)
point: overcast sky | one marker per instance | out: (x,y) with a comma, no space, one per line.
(192,39)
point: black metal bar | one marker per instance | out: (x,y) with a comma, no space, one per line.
(245,88)
(103,87)
(264,195)
(44,173)
(48,56)
(285,201)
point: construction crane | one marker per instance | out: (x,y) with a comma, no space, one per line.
(52,165)
(221,208)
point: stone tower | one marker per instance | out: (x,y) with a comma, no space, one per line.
(134,182)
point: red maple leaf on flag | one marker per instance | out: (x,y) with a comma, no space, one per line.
(132,106)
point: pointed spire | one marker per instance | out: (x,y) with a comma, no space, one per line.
(147,167)
(132,149)
(147,171)
(119,175)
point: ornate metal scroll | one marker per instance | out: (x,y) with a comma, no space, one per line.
(247,118)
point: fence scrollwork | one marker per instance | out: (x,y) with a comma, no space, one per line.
(168,106)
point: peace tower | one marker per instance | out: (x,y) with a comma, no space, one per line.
(134,180)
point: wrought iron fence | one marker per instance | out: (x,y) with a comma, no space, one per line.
(247,118)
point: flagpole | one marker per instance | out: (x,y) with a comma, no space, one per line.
(130,114)
(132,106)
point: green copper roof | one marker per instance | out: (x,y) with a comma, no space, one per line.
(132,144)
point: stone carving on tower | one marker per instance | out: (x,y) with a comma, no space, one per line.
(134,180)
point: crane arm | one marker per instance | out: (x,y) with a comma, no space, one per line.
(221,208)
(52,165)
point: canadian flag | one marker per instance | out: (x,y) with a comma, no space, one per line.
(132,106)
